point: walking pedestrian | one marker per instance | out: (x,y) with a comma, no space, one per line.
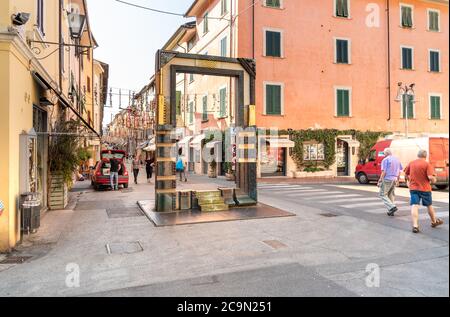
(420,176)
(136,164)
(391,169)
(180,167)
(114,172)
(149,163)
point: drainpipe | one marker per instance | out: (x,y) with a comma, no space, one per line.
(230,101)
(253,29)
(61,48)
(389,57)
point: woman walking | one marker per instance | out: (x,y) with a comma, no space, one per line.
(149,163)
(136,164)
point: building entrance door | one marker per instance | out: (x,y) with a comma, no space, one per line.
(342,158)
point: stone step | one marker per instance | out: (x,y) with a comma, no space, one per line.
(209,201)
(214,207)
(244,200)
(207,194)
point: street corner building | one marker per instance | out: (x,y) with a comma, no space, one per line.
(47,75)
(321,65)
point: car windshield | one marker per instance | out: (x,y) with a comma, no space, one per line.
(108,156)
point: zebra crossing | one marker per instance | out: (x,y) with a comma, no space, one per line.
(346,199)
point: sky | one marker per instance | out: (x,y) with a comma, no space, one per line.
(128,39)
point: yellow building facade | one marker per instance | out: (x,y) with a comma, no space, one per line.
(41,82)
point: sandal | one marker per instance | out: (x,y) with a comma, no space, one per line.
(438,223)
(415,230)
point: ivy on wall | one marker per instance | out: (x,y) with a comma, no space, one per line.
(328,138)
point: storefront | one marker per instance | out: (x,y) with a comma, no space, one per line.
(197,145)
(273,156)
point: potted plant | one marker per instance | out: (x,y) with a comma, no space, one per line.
(228,167)
(212,169)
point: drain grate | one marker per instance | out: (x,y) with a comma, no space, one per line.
(124,212)
(329,215)
(275,244)
(124,247)
(16,260)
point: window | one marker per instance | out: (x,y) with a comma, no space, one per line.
(435,61)
(40,16)
(191,112)
(273,99)
(406,12)
(343,96)
(435,107)
(205,23)
(223,7)
(88,84)
(342,51)
(273,43)
(223,47)
(407,58)
(178,103)
(408,107)
(205,108)
(341,8)
(223,102)
(273,3)
(314,152)
(433,20)
(191,78)
(190,44)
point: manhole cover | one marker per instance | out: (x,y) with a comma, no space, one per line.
(329,215)
(275,244)
(124,212)
(124,248)
(15,260)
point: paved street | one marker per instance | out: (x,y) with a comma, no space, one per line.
(323,251)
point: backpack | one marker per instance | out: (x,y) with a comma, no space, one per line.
(180,165)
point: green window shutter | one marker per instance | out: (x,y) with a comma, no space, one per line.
(273,99)
(342,51)
(223,47)
(205,23)
(191,112)
(342,8)
(273,3)
(433,18)
(178,105)
(273,44)
(205,108)
(406,58)
(434,61)
(407,17)
(408,101)
(223,102)
(343,103)
(435,107)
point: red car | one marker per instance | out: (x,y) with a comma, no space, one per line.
(101,175)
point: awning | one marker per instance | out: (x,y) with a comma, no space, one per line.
(185,141)
(212,145)
(197,141)
(281,143)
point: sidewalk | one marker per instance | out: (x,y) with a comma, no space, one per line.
(309,180)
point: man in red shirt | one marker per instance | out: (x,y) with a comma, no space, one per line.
(420,175)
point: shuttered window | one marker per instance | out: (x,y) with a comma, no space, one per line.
(433,20)
(191,112)
(407,58)
(273,99)
(408,106)
(223,47)
(434,61)
(205,108)
(342,51)
(435,104)
(178,103)
(273,44)
(343,102)
(342,8)
(205,23)
(40,16)
(223,102)
(224,7)
(273,3)
(407,21)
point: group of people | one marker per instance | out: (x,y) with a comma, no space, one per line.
(420,177)
(149,165)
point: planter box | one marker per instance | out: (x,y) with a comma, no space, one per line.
(58,194)
(329,174)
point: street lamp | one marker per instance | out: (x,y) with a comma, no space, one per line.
(406,96)
(77,23)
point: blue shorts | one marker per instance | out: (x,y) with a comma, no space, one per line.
(425,197)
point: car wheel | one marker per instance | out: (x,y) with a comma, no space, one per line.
(362,178)
(442,187)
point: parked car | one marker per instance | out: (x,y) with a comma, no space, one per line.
(406,150)
(101,175)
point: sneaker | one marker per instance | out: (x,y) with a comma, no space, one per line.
(438,223)
(415,230)
(392,212)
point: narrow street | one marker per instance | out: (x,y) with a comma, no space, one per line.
(323,251)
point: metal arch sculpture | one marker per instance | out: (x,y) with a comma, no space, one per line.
(168,65)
